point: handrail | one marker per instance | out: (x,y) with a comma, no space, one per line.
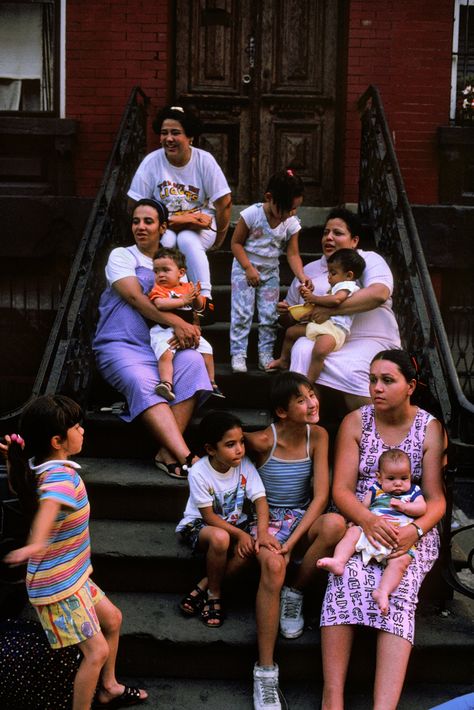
(454,403)
(383,202)
(65,365)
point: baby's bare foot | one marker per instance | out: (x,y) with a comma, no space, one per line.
(278,364)
(331,564)
(382,600)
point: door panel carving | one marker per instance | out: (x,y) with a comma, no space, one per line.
(262,75)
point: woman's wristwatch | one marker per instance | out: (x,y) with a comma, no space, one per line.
(419,531)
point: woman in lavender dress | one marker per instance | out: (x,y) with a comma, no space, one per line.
(122,342)
(391,421)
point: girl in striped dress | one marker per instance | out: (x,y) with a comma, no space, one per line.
(70,607)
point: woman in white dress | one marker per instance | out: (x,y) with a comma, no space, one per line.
(374,327)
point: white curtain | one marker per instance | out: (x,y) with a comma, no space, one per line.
(26,56)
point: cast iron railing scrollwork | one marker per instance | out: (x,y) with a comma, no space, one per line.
(383,204)
(67,362)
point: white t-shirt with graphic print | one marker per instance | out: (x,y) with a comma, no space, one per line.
(190,188)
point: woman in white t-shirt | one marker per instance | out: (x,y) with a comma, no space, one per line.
(122,349)
(192,186)
(374,327)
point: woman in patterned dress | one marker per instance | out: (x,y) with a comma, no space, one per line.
(391,421)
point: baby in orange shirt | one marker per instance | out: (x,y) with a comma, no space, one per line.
(169,294)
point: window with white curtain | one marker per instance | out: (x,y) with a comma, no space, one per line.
(27,56)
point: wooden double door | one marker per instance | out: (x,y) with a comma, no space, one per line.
(263,76)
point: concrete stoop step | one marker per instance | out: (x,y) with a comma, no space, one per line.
(157,640)
(176,694)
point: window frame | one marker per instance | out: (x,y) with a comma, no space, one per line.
(59,62)
(455,58)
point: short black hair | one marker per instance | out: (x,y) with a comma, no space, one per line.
(160,207)
(191,124)
(284,186)
(214,425)
(286,385)
(175,254)
(349,259)
(352,220)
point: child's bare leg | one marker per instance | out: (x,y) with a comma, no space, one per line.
(323,345)
(95,651)
(391,578)
(291,336)
(209,363)
(267,611)
(323,536)
(165,367)
(110,619)
(216,542)
(342,553)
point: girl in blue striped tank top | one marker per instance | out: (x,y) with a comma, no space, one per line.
(291,456)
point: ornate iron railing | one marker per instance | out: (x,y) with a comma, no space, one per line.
(383,203)
(67,362)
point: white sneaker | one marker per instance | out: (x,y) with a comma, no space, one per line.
(291,613)
(264,359)
(266,694)
(239,363)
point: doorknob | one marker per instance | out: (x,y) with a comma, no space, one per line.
(246,79)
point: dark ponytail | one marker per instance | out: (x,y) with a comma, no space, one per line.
(42,419)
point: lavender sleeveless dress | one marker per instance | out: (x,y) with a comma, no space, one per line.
(348,598)
(127,362)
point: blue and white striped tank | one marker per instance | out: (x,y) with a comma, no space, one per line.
(287,481)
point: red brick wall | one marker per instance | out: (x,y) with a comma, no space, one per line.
(403,47)
(111,46)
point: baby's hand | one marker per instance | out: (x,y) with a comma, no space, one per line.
(307,283)
(398,504)
(188,298)
(306,293)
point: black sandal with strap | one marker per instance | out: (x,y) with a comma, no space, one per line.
(170,468)
(193,603)
(212,611)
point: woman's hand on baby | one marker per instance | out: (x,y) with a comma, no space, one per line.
(406,539)
(186,335)
(245,545)
(380,531)
(320,314)
(307,284)
(252,275)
